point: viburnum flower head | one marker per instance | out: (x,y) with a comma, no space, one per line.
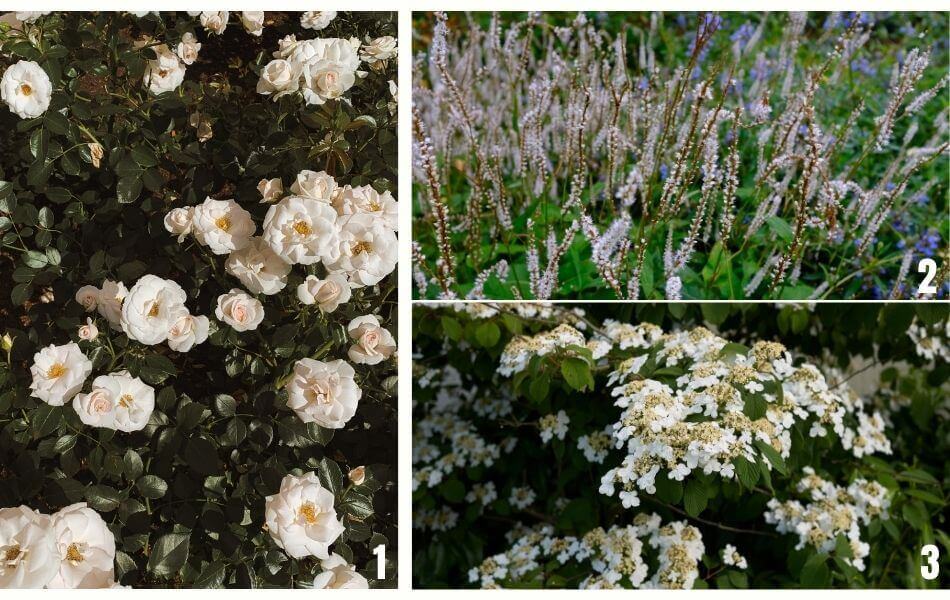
(339,575)
(302,231)
(258,267)
(59,372)
(366,251)
(26,89)
(301,518)
(116,401)
(324,393)
(222,225)
(152,307)
(86,549)
(27,548)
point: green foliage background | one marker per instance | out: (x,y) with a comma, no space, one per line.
(185,496)
(916,473)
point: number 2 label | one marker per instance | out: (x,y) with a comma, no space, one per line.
(928,266)
(931,568)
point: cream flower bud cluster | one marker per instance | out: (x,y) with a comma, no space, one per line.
(321,69)
(931,345)
(617,557)
(830,510)
(72,548)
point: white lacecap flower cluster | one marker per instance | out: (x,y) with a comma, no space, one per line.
(520,350)
(72,548)
(302,520)
(554,426)
(732,558)
(931,344)
(618,556)
(596,446)
(441,519)
(830,510)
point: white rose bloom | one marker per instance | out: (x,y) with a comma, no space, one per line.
(86,549)
(374,343)
(222,225)
(258,268)
(188,331)
(188,48)
(301,517)
(88,296)
(59,373)
(253,22)
(302,230)
(328,294)
(323,392)
(271,190)
(116,401)
(89,331)
(29,17)
(378,51)
(367,250)
(339,575)
(311,184)
(317,19)
(111,297)
(279,77)
(298,53)
(330,75)
(165,73)
(214,22)
(365,199)
(239,310)
(178,221)
(151,308)
(26,89)
(27,547)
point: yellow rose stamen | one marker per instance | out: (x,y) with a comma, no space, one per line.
(11,554)
(125,400)
(25,89)
(375,206)
(153,312)
(73,554)
(57,370)
(303,228)
(361,247)
(309,512)
(223,223)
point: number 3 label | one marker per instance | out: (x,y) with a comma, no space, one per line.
(931,568)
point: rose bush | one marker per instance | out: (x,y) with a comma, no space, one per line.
(679,445)
(197,385)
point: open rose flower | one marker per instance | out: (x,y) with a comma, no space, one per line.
(374,344)
(328,294)
(151,308)
(111,297)
(188,48)
(214,21)
(86,549)
(258,267)
(301,518)
(271,190)
(26,89)
(317,19)
(339,575)
(376,52)
(27,549)
(222,225)
(116,401)
(366,200)
(59,373)
(302,231)
(367,250)
(165,72)
(316,185)
(279,77)
(333,73)
(324,393)
(187,332)
(239,310)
